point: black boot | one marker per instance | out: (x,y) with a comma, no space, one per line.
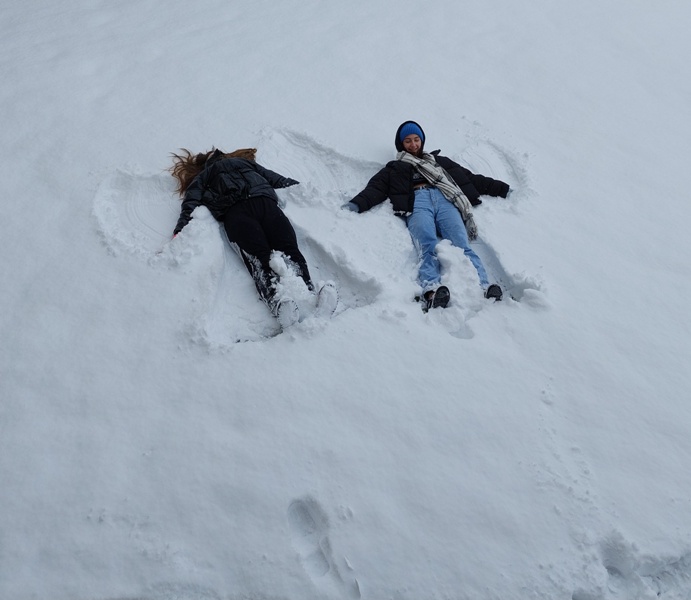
(438,298)
(493,292)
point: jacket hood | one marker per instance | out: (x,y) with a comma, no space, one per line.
(215,155)
(399,143)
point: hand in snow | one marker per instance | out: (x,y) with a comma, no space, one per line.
(351,206)
(287,182)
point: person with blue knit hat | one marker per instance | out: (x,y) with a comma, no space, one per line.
(435,196)
(409,128)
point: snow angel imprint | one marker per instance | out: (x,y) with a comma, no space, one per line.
(435,196)
(240,194)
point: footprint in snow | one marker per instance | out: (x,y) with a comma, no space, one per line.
(310,527)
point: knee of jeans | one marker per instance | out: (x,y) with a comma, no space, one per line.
(422,248)
(424,238)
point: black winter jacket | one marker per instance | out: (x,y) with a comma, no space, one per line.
(395,181)
(226,181)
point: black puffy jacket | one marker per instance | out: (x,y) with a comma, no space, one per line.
(226,181)
(395,181)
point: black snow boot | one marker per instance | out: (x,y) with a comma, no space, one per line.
(494,292)
(438,298)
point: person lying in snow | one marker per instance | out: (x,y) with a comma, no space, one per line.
(435,196)
(239,193)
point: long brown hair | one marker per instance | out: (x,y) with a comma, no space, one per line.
(186,166)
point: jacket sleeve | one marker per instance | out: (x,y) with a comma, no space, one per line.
(472,184)
(486,186)
(375,192)
(192,199)
(275,180)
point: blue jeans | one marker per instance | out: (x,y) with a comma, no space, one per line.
(434,216)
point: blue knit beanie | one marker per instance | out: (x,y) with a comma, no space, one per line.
(411,128)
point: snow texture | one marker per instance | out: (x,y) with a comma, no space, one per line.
(162,439)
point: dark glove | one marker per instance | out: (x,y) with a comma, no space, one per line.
(287,182)
(351,206)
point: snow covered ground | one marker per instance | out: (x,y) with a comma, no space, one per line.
(158,441)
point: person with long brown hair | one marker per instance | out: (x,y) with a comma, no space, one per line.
(240,194)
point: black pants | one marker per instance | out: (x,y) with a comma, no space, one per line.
(258,226)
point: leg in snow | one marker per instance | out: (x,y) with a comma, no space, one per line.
(452,228)
(246,232)
(423,231)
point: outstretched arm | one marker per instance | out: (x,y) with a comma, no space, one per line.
(486,186)
(473,185)
(275,180)
(375,192)
(193,199)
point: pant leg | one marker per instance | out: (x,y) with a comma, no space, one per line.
(423,230)
(243,227)
(452,228)
(281,236)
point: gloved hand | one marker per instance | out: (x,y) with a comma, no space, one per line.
(351,206)
(287,182)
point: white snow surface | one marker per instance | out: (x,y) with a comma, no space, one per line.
(160,441)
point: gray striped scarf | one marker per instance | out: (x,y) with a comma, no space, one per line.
(437,176)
